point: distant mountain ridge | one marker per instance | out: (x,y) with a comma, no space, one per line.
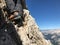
(52,35)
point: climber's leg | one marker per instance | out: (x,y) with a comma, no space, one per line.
(23,2)
(18,8)
(10,5)
(17,11)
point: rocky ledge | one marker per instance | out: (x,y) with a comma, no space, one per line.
(30,33)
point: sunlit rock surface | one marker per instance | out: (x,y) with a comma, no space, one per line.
(30,33)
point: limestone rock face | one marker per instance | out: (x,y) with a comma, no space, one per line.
(2,3)
(30,33)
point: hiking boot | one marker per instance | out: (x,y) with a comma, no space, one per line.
(17,19)
(15,16)
(11,17)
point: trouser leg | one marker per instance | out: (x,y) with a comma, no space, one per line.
(23,2)
(10,5)
(18,7)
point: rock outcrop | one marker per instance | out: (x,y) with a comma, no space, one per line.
(30,33)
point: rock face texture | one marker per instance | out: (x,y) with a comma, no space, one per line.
(30,33)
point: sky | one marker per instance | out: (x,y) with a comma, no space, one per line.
(45,12)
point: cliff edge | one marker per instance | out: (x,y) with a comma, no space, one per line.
(30,33)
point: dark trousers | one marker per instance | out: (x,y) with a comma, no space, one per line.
(23,2)
(14,5)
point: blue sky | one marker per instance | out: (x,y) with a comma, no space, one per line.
(45,12)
